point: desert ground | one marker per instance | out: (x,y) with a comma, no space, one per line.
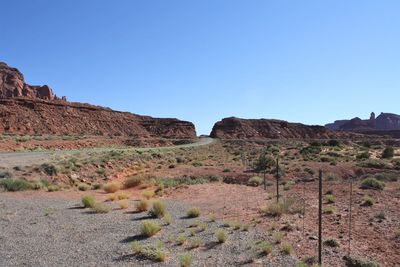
(91,201)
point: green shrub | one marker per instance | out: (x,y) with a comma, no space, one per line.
(111,187)
(83,187)
(367,201)
(265,247)
(286,248)
(388,153)
(142,205)
(150,228)
(154,253)
(333,142)
(181,240)
(352,261)
(133,181)
(53,188)
(14,185)
(372,183)
(221,236)
(277,236)
(88,201)
(277,209)
(196,243)
(328,210)
(363,155)
(330,199)
(50,169)
(331,243)
(193,212)
(373,163)
(101,208)
(168,218)
(255,181)
(185,260)
(159,209)
(389,177)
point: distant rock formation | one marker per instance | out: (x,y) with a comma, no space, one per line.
(26,109)
(236,128)
(384,122)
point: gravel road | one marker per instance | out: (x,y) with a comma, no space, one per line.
(54,231)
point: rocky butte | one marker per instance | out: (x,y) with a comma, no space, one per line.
(236,128)
(27,109)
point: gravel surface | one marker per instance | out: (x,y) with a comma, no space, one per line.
(49,231)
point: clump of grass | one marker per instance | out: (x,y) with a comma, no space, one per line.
(372,183)
(181,240)
(158,209)
(150,228)
(112,197)
(193,212)
(277,236)
(185,260)
(101,208)
(328,210)
(265,247)
(255,181)
(212,217)
(168,218)
(14,185)
(330,199)
(83,187)
(195,243)
(367,201)
(133,181)
(286,248)
(148,194)
(123,204)
(111,187)
(142,205)
(88,201)
(388,153)
(53,188)
(221,236)
(122,195)
(155,253)
(237,225)
(277,209)
(331,243)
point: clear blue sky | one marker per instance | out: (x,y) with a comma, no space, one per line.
(302,61)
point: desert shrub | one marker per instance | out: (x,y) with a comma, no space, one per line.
(373,163)
(331,243)
(83,187)
(372,183)
(310,151)
(288,185)
(154,253)
(123,204)
(53,188)
(101,172)
(158,209)
(277,209)
(212,217)
(309,170)
(192,180)
(101,208)
(150,228)
(197,164)
(389,177)
(255,181)
(265,247)
(226,170)
(14,185)
(286,248)
(5,175)
(88,201)
(277,236)
(193,212)
(133,181)
(49,169)
(331,176)
(363,155)
(185,260)
(264,163)
(328,210)
(195,243)
(111,187)
(352,261)
(221,236)
(367,201)
(122,195)
(148,194)
(96,186)
(330,199)
(237,226)
(168,218)
(388,153)
(333,142)
(112,197)
(326,159)
(181,240)
(142,205)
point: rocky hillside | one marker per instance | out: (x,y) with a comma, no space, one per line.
(26,109)
(384,122)
(235,128)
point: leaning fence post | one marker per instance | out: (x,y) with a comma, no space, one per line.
(277,180)
(350,215)
(320,220)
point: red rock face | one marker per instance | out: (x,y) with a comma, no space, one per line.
(26,109)
(235,128)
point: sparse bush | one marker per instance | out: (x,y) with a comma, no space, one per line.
(159,209)
(101,208)
(111,187)
(148,194)
(53,188)
(221,236)
(373,163)
(286,248)
(352,261)
(112,197)
(142,205)
(133,181)
(49,169)
(363,155)
(330,199)
(331,243)
(150,228)
(123,204)
(265,247)
(226,170)
(277,209)
(277,236)
(193,212)
(328,210)
(83,187)
(14,185)
(372,183)
(185,260)
(389,177)
(88,201)
(367,201)
(168,218)
(255,181)
(333,142)
(388,153)
(196,243)
(212,217)
(181,240)
(150,252)
(122,195)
